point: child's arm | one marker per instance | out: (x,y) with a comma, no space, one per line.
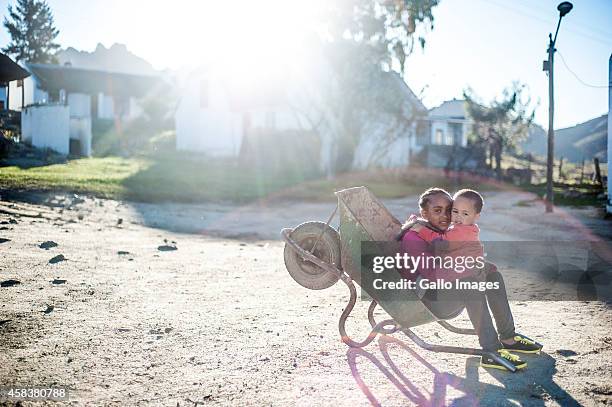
(427,234)
(463,233)
(464,240)
(422,231)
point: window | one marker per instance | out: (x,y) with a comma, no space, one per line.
(204,93)
(449,139)
(439,136)
(19,83)
(457,133)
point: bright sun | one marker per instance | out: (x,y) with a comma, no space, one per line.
(240,36)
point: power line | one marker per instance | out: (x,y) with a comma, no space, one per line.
(587,27)
(590,35)
(576,76)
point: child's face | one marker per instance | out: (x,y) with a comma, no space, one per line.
(464,212)
(437,211)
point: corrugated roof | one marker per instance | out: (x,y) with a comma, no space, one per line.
(10,70)
(450,109)
(89,81)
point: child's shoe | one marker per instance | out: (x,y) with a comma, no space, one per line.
(523,344)
(486,361)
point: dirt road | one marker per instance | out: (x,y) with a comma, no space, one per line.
(191,305)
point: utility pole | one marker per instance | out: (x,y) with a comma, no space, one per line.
(609,205)
(563,8)
(550,157)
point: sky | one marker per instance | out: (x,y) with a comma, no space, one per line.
(481,44)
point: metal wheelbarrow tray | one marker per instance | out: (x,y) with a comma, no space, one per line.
(317,256)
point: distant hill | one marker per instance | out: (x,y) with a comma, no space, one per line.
(585,140)
(117,58)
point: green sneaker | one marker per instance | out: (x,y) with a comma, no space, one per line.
(523,344)
(486,361)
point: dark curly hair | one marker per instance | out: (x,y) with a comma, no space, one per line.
(423,202)
(425,196)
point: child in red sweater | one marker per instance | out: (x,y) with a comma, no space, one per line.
(463,235)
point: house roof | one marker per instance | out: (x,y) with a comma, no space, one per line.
(10,70)
(409,94)
(90,81)
(451,109)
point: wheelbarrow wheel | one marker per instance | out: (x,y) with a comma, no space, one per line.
(306,273)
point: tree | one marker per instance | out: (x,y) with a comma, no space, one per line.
(503,123)
(362,40)
(389,27)
(32,32)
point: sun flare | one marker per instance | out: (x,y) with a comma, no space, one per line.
(240,37)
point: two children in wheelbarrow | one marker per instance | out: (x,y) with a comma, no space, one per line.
(452,220)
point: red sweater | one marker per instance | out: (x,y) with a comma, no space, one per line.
(463,240)
(416,246)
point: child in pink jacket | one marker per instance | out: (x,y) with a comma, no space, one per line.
(463,235)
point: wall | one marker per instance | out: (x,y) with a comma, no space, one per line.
(31,94)
(47,126)
(214,129)
(105,107)
(80,104)
(80,129)
(385,145)
(284,118)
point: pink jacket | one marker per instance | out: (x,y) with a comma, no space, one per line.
(463,240)
(415,245)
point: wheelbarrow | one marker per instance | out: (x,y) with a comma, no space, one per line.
(317,256)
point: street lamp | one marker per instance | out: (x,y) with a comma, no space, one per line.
(564,8)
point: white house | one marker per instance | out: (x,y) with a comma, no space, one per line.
(89,94)
(214,114)
(205,109)
(388,141)
(93,93)
(449,123)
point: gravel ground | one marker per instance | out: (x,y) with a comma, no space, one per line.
(191,305)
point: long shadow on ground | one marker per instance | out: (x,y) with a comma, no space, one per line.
(533,386)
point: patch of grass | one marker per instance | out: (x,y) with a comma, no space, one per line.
(194,178)
(172,177)
(182,177)
(575,195)
(100,176)
(388,184)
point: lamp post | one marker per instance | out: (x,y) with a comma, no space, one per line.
(564,8)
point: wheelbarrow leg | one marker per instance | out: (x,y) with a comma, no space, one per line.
(464,331)
(456,349)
